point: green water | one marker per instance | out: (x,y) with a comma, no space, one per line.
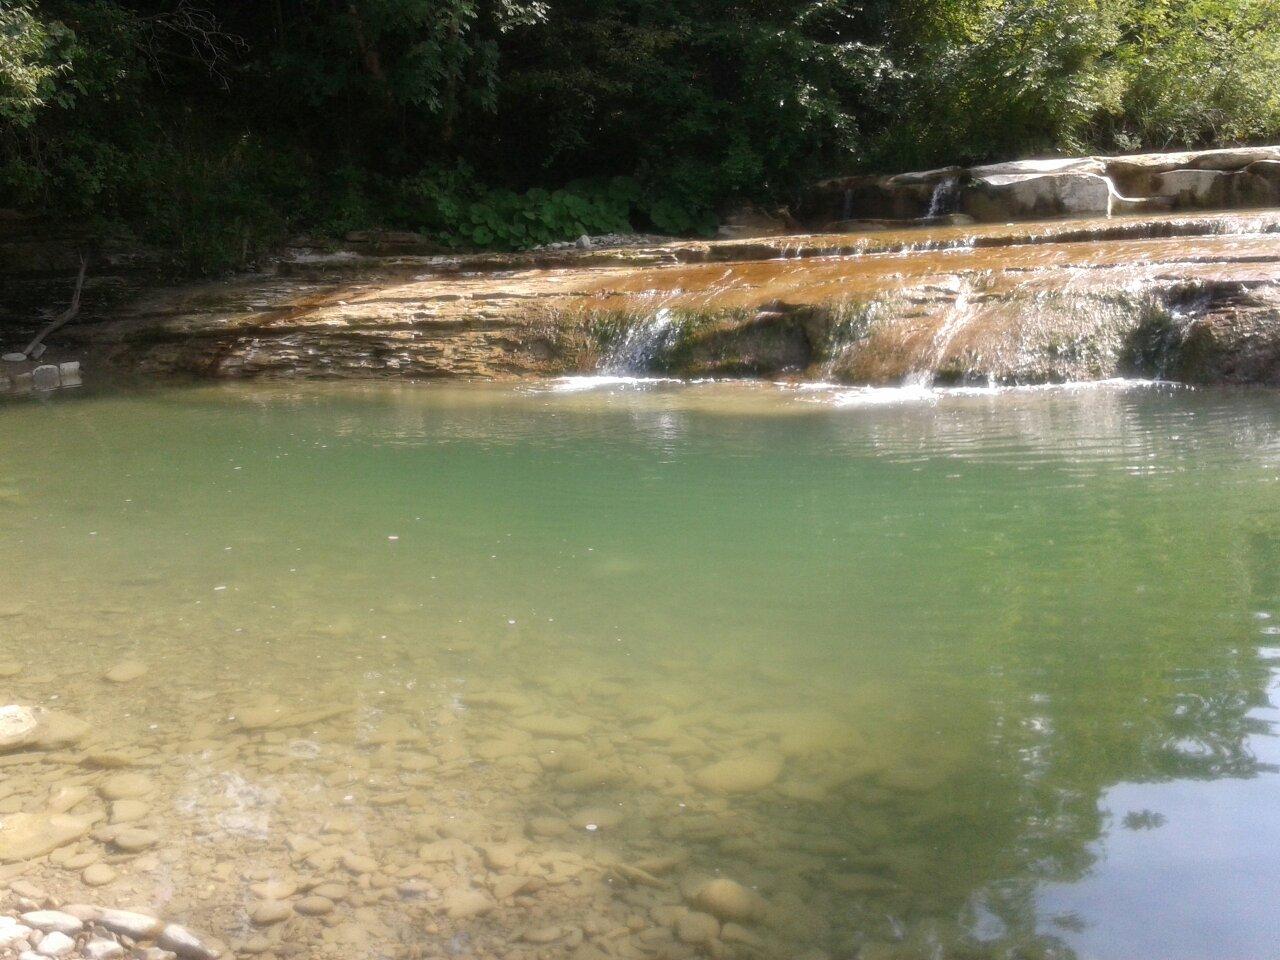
(1008,658)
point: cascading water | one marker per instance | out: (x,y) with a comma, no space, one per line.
(959,314)
(944,197)
(641,344)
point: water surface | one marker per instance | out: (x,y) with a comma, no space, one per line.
(998,665)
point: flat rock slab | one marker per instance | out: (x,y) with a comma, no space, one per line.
(25,836)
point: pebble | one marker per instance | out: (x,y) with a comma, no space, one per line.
(729,900)
(697,928)
(102,949)
(557,728)
(463,903)
(274,889)
(134,839)
(500,856)
(55,945)
(356,863)
(128,811)
(126,786)
(51,920)
(330,891)
(126,672)
(314,906)
(11,931)
(184,943)
(98,875)
(268,912)
(139,926)
(748,774)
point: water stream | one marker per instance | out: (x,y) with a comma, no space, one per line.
(516,671)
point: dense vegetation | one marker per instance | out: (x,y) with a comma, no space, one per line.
(213,127)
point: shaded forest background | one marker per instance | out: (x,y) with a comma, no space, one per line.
(215,128)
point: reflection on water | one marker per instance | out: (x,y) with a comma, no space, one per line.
(517,671)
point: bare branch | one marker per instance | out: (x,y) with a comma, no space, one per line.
(66,317)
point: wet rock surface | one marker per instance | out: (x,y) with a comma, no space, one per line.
(1023,303)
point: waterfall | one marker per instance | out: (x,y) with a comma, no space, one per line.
(960,313)
(944,197)
(641,344)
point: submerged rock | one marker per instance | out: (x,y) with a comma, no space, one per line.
(729,900)
(25,836)
(126,671)
(746,774)
(35,728)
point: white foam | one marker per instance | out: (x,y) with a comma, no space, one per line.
(916,393)
(580,384)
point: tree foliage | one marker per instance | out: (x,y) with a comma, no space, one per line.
(213,128)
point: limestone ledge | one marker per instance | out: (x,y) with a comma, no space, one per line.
(1227,179)
(1187,296)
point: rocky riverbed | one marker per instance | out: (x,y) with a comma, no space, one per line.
(414,815)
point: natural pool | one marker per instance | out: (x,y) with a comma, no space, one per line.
(514,670)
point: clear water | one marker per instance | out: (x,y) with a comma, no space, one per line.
(1007,658)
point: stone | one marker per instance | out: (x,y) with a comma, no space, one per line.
(181,941)
(506,887)
(314,906)
(331,890)
(58,729)
(55,945)
(697,928)
(100,948)
(63,799)
(51,920)
(554,727)
(98,875)
(25,836)
(70,372)
(269,912)
(1054,166)
(138,926)
(544,934)
(747,774)
(592,819)
(464,902)
(1023,196)
(356,863)
(17,726)
(126,786)
(274,889)
(11,931)
(751,222)
(128,811)
(500,856)
(134,839)
(46,377)
(1197,189)
(126,671)
(83,911)
(729,900)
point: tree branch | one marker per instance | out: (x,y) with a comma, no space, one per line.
(66,317)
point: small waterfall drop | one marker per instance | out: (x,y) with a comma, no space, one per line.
(944,197)
(958,316)
(641,344)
